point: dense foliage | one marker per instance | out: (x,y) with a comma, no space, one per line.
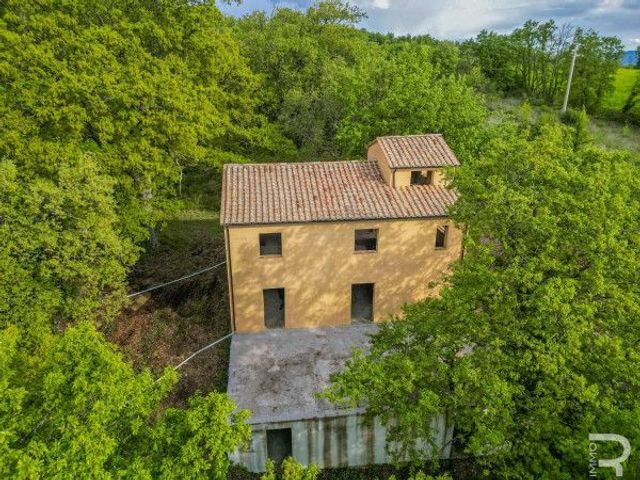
(74,409)
(290,470)
(632,106)
(102,106)
(535,59)
(533,343)
(336,88)
(105,105)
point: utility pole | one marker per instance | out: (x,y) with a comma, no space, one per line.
(566,93)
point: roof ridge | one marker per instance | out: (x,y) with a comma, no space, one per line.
(313,162)
(412,135)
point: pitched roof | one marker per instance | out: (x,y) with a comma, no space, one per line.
(322,191)
(417,151)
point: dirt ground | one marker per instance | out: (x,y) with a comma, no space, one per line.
(165,326)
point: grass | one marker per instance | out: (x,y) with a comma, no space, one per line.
(615,135)
(624,81)
(163,327)
(607,133)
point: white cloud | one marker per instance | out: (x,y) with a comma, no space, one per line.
(459,19)
(382,4)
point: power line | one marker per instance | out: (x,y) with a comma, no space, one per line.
(199,272)
(202,350)
(198,352)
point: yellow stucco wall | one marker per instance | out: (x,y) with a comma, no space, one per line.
(318,266)
(375,153)
(403,176)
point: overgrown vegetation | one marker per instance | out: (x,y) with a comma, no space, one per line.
(532,344)
(116,119)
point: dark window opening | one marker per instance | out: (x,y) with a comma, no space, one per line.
(362,303)
(441,236)
(366,239)
(279,445)
(273,307)
(419,178)
(270,244)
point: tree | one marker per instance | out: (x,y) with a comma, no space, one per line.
(494,55)
(534,59)
(61,244)
(299,76)
(72,408)
(632,105)
(323,87)
(290,470)
(595,71)
(579,120)
(532,344)
(102,107)
(400,92)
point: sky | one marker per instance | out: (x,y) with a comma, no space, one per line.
(460,19)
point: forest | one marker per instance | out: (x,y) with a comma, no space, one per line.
(111,109)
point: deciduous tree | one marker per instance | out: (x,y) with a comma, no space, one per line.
(532,344)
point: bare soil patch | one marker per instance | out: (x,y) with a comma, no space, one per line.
(163,327)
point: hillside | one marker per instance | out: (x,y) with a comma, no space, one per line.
(630,58)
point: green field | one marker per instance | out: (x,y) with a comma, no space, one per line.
(625,78)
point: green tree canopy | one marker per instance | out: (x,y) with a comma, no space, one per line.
(102,107)
(534,59)
(533,342)
(402,90)
(75,409)
(335,88)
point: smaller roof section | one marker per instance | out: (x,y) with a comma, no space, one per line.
(417,151)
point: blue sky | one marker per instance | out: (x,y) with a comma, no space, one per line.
(459,19)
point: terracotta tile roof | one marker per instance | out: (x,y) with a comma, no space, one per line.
(322,191)
(417,151)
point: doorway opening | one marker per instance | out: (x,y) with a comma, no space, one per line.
(362,303)
(273,307)
(279,445)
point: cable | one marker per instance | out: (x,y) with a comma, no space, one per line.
(196,353)
(176,280)
(202,350)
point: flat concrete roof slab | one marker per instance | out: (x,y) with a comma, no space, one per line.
(277,373)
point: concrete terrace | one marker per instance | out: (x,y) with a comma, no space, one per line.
(277,373)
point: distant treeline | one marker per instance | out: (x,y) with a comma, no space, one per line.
(535,58)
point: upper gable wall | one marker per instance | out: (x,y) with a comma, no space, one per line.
(402,176)
(375,153)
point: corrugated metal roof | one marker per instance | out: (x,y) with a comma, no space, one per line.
(322,191)
(417,151)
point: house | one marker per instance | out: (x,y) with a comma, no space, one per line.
(317,254)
